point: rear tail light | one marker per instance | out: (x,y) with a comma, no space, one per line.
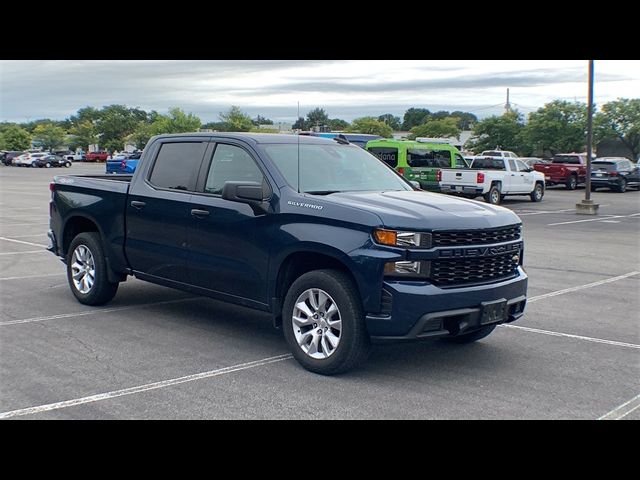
(401,170)
(123,164)
(480,177)
(439,175)
(52,186)
(613,173)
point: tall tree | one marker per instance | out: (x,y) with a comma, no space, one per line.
(176,122)
(13,137)
(498,132)
(371,126)
(620,119)
(317,117)
(116,123)
(236,120)
(84,134)
(260,120)
(557,127)
(49,136)
(414,117)
(338,124)
(445,127)
(391,120)
(466,120)
(300,124)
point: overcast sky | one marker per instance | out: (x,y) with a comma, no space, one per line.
(346,89)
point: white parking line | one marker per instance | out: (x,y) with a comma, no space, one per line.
(42,234)
(22,241)
(623,410)
(32,276)
(568,335)
(94,312)
(145,388)
(581,287)
(28,251)
(609,217)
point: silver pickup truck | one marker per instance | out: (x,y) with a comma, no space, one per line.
(494,178)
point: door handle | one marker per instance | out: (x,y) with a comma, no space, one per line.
(199,213)
(137,204)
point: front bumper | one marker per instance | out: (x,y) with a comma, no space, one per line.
(421,310)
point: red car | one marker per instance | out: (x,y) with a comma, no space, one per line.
(96,157)
(567,168)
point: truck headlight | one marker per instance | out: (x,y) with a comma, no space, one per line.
(402,239)
(420,269)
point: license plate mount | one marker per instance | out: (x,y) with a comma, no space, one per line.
(492,312)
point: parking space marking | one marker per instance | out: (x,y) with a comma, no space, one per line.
(43,234)
(569,335)
(609,217)
(145,387)
(623,410)
(542,212)
(22,241)
(28,251)
(32,276)
(582,287)
(94,311)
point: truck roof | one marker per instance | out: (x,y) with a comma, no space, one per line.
(254,137)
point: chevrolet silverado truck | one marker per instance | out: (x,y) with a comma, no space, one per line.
(569,169)
(340,249)
(494,178)
(96,157)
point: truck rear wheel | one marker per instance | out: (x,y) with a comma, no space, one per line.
(87,270)
(323,322)
(493,196)
(471,337)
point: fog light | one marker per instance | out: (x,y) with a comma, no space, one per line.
(417,269)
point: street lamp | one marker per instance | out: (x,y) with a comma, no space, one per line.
(587,207)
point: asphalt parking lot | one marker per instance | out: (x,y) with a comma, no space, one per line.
(158,353)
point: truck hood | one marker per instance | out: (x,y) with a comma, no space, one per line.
(406,210)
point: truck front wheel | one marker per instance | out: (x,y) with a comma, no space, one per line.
(471,337)
(323,322)
(493,196)
(87,270)
(538,193)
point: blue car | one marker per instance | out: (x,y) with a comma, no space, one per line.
(124,163)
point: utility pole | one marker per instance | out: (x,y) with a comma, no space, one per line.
(507,106)
(587,207)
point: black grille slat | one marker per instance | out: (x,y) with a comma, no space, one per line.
(476,237)
(473,270)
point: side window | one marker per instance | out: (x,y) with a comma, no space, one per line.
(521,165)
(231,164)
(512,165)
(460,163)
(177,165)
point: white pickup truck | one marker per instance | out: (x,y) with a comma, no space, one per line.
(493,178)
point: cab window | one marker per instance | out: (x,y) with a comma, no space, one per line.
(231,163)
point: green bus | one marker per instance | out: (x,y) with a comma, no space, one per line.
(418,161)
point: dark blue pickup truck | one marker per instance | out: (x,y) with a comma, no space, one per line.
(339,248)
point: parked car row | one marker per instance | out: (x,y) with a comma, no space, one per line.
(40,160)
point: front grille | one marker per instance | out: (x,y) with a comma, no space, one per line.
(474,270)
(476,237)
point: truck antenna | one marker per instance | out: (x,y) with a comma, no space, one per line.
(298,148)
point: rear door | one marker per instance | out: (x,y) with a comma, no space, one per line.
(159,208)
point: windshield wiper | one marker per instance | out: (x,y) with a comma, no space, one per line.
(322,192)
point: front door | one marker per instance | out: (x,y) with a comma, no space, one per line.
(228,241)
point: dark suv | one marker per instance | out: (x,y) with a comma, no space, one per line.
(615,173)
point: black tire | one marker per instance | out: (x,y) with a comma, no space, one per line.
(471,337)
(48,165)
(68,164)
(354,344)
(493,196)
(538,193)
(622,186)
(572,183)
(102,291)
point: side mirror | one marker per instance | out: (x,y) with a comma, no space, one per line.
(243,192)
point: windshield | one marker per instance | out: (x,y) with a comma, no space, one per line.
(333,168)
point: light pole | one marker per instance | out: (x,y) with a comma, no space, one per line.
(587,207)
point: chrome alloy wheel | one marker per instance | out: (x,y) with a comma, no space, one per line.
(317,323)
(83,269)
(495,197)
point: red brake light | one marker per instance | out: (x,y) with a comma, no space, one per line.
(123,164)
(439,175)
(480,177)
(401,170)
(613,173)
(52,186)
